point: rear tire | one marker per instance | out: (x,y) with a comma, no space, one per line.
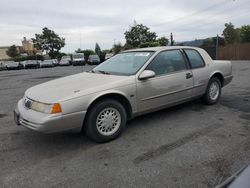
(105,121)
(213,91)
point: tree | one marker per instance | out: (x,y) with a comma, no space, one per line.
(98,49)
(139,34)
(49,41)
(211,42)
(245,33)
(126,46)
(99,52)
(117,48)
(231,34)
(87,53)
(79,50)
(12,51)
(150,44)
(163,41)
(102,56)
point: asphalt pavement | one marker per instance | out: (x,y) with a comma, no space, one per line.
(190,145)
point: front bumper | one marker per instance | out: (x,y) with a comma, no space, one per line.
(48,123)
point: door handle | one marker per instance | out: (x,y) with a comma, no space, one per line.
(189,75)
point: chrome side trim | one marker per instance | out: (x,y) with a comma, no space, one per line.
(173,92)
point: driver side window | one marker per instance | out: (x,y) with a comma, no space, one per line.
(167,62)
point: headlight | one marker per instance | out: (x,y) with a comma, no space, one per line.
(42,107)
(46,108)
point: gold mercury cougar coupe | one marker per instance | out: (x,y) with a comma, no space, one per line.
(128,84)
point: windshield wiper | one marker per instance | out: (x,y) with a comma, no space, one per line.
(103,72)
(99,71)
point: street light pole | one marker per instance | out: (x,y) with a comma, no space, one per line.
(217,46)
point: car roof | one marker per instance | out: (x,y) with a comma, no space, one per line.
(160,48)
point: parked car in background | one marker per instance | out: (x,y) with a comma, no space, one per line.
(47,63)
(130,84)
(65,61)
(31,64)
(12,65)
(55,62)
(2,66)
(94,60)
(108,55)
(78,59)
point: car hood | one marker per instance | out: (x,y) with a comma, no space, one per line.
(76,85)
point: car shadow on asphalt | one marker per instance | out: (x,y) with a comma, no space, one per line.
(50,144)
(195,106)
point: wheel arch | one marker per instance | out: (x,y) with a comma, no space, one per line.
(218,75)
(115,96)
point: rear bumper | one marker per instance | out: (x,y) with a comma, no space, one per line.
(227,80)
(78,63)
(47,123)
(46,66)
(31,66)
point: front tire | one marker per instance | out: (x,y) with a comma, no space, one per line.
(105,121)
(213,91)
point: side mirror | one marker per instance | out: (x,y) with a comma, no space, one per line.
(146,74)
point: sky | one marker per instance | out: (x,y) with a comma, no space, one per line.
(84,22)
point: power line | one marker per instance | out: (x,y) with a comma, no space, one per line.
(205,25)
(202,22)
(201,19)
(194,13)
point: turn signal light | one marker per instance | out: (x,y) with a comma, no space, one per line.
(56,108)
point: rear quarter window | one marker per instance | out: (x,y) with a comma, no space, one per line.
(195,58)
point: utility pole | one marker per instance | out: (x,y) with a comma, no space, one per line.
(171,39)
(80,40)
(217,46)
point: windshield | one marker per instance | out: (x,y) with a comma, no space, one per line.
(76,56)
(93,57)
(66,58)
(47,61)
(11,63)
(127,63)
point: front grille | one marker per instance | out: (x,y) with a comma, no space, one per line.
(27,103)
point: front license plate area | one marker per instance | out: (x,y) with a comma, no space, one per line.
(17,117)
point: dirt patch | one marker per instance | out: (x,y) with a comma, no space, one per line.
(199,107)
(12,75)
(171,146)
(237,102)
(3,115)
(245,116)
(46,77)
(222,169)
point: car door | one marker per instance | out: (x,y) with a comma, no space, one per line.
(199,70)
(173,82)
